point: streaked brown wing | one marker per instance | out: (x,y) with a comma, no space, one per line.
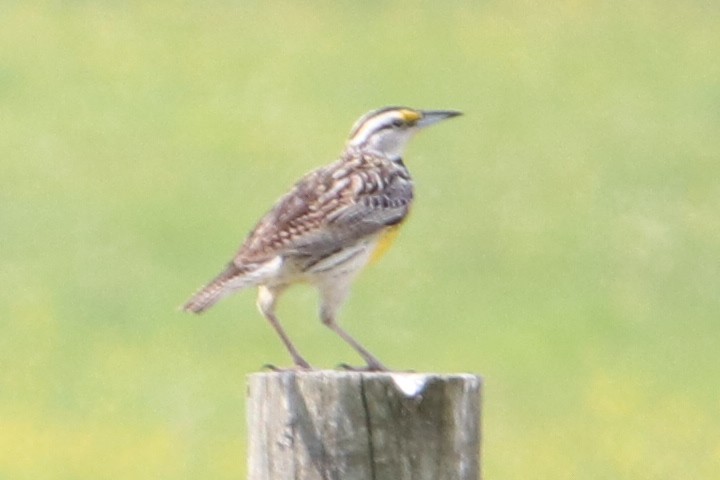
(328,209)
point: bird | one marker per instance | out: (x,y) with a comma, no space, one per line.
(332,223)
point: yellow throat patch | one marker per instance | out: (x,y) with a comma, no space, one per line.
(385,242)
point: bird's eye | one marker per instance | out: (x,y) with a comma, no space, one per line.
(397,123)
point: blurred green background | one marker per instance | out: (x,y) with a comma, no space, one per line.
(565,243)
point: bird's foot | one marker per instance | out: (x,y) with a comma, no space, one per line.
(295,368)
(370,367)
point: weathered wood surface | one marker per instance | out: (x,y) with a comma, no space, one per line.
(327,425)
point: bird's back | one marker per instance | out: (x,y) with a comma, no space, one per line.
(330,208)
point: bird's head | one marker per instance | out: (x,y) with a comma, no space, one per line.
(388,130)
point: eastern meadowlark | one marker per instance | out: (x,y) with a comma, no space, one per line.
(331,224)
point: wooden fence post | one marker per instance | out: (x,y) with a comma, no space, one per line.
(336,425)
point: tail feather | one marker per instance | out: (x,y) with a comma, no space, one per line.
(227,282)
(232,279)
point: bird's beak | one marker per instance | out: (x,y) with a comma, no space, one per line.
(431,117)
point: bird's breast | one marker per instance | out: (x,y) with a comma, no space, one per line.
(385,240)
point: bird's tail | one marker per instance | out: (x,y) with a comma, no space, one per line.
(233,278)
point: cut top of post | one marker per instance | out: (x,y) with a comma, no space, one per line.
(358,425)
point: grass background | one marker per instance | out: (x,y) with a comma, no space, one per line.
(565,241)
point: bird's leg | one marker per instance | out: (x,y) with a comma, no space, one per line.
(298,360)
(266,304)
(332,295)
(373,364)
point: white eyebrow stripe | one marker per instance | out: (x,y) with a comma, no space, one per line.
(372,125)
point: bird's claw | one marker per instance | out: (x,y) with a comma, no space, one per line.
(374,367)
(294,368)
